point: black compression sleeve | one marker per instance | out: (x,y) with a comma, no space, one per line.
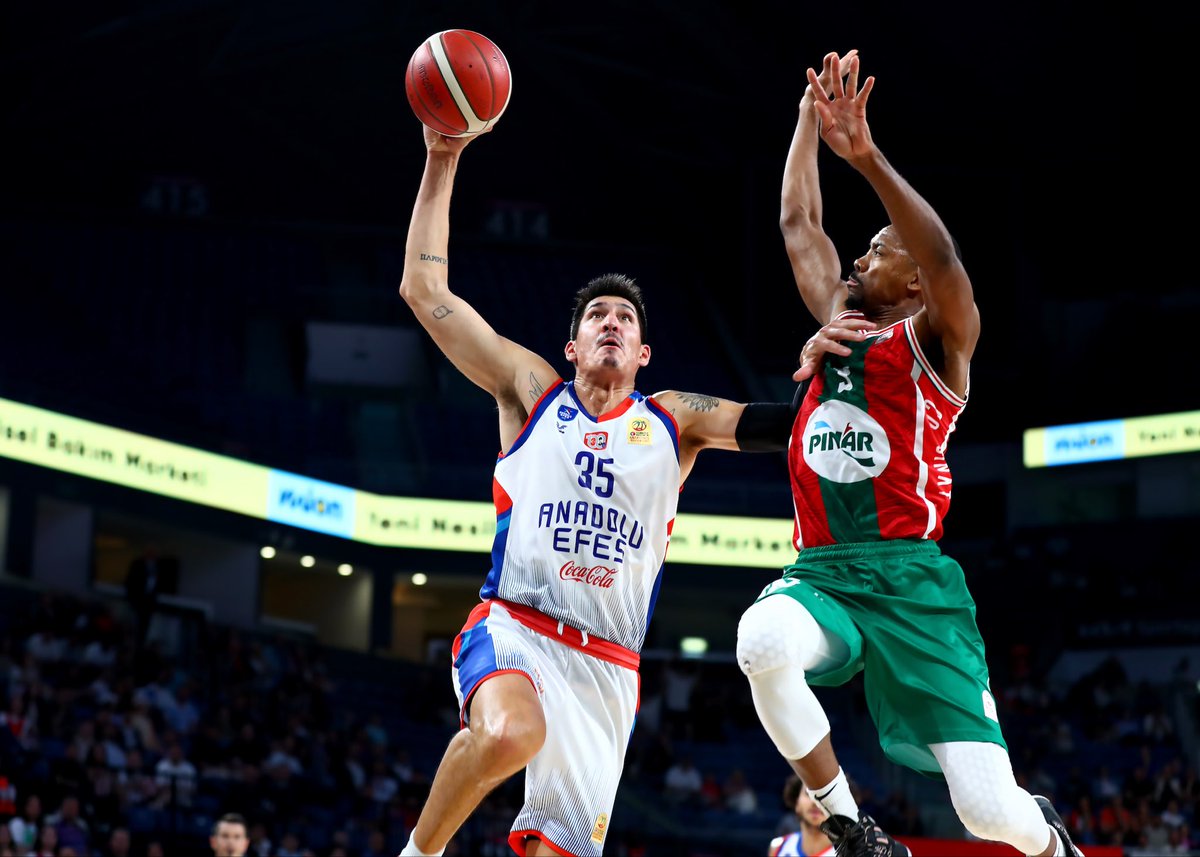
(767,426)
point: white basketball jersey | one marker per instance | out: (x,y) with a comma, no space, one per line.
(584,510)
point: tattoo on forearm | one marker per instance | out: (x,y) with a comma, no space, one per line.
(699,403)
(429,257)
(441,311)
(535,388)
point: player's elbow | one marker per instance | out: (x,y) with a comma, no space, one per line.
(416,290)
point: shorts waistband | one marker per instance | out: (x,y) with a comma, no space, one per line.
(550,627)
(867,550)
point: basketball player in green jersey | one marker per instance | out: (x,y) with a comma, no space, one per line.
(870,590)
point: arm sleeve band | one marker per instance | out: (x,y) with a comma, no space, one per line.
(767,426)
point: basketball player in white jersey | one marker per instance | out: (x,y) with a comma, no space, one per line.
(586,488)
(810,840)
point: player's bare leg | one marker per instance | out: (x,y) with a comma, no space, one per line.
(507,728)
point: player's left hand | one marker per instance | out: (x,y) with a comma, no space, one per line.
(828,340)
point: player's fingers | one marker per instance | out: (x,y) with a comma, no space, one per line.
(867,86)
(852,78)
(838,90)
(802,373)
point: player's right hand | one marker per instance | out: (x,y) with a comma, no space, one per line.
(828,340)
(437,142)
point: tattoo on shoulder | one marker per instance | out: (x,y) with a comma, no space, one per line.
(441,311)
(698,402)
(535,388)
(429,257)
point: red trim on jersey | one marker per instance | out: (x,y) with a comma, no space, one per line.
(477,615)
(895,516)
(500,497)
(462,712)
(569,636)
(516,841)
(629,402)
(665,413)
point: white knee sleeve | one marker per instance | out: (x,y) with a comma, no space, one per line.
(777,640)
(987,798)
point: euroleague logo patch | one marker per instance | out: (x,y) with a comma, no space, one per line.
(567,413)
(844,444)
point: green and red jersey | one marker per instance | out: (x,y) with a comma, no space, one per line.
(867,456)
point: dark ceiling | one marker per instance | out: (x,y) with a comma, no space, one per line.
(650,123)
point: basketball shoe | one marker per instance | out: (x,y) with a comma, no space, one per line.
(862,838)
(1055,820)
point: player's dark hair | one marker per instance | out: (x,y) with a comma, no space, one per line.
(618,285)
(228,818)
(791,791)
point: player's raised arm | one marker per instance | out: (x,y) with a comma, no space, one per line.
(815,264)
(508,371)
(950,310)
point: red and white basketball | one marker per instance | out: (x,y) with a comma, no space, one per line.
(458,82)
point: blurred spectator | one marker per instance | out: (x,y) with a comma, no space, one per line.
(24,827)
(376,845)
(289,845)
(683,782)
(260,843)
(149,576)
(679,682)
(739,797)
(176,778)
(47,842)
(72,830)
(120,844)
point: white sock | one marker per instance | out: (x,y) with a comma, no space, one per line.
(411,850)
(836,797)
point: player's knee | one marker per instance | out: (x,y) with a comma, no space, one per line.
(766,637)
(988,812)
(508,744)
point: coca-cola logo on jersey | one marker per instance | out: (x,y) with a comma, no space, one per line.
(598,575)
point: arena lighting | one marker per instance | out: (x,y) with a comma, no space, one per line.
(693,647)
(420,578)
(1107,440)
(345,569)
(267,552)
(307,561)
(95,451)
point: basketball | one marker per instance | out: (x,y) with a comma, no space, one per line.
(458,82)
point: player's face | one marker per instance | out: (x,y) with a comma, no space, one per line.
(809,810)
(230,840)
(609,337)
(882,276)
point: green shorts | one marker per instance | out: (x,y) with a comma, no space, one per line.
(908,621)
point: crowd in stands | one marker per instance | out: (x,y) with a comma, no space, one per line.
(105,754)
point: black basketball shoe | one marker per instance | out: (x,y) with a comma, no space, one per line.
(1055,820)
(862,838)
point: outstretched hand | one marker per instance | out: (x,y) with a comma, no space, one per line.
(825,78)
(437,142)
(828,340)
(844,118)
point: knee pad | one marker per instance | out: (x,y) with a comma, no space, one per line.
(774,632)
(985,794)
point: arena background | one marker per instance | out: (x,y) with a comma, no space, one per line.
(204,214)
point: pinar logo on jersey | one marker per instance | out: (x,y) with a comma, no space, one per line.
(596,440)
(639,430)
